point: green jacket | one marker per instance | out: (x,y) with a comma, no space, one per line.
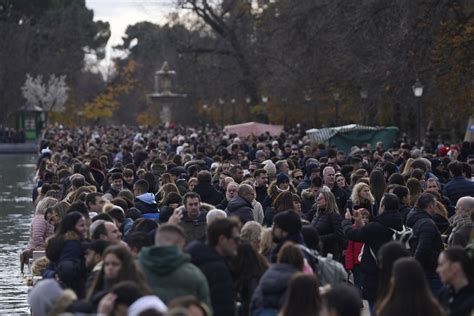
(170,274)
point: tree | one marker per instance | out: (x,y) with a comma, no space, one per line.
(50,96)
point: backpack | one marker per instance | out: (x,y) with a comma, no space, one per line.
(328,270)
(404,236)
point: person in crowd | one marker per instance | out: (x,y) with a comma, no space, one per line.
(251,233)
(308,196)
(66,255)
(280,184)
(144,201)
(168,270)
(361,197)
(353,251)
(403,195)
(223,239)
(106,230)
(40,230)
(286,227)
(374,234)
(303,296)
(241,205)
(342,184)
(462,224)
(261,184)
(342,300)
(456,270)
(387,255)
(118,265)
(193,220)
(458,186)
(94,259)
(205,189)
(247,268)
(283,202)
(428,243)
(95,202)
(409,293)
(269,296)
(312,172)
(341,196)
(116,185)
(230,192)
(327,222)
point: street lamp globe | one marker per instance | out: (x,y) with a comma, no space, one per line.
(364,94)
(264,99)
(417,88)
(336,96)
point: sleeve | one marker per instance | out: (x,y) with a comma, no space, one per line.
(38,233)
(355,234)
(423,248)
(349,255)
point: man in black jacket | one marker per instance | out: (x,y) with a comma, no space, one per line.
(223,238)
(145,202)
(206,190)
(427,243)
(374,235)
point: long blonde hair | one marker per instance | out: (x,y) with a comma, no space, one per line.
(355,195)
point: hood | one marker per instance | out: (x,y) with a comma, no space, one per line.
(392,219)
(236,203)
(415,215)
(275,280)
(273,191)
(162,260)
(202,253)
(148,198)
(205,190)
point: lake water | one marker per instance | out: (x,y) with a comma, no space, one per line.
(16,212)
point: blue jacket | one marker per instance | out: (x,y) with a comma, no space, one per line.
(457,188)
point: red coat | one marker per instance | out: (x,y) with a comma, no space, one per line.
(352,253)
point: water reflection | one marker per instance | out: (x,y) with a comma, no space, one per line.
(16,212)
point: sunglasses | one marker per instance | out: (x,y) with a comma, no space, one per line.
(299,177)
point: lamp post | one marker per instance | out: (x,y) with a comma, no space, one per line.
(336,96)
(221,105)
(418,92)
(233,110)
(364,94)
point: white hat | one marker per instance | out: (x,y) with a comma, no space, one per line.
(147,302)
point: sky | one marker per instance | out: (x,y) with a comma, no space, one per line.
(121,13)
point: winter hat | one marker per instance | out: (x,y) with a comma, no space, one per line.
(288,221)
(281,177)
(43,296)
(147,302)
(270,168)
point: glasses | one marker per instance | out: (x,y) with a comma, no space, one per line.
(299,177)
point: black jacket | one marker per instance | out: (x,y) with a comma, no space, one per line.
(427,242)
(328,225)
(374,235)
(404,211)
(208,193)
(261,193)
(241,208)
(271,290)
(218,276)
(460,303)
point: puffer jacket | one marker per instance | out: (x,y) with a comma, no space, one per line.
(208,193)
(146,203)
(427,242)
(240,208)
(40,229)
(328,225)
(271,290)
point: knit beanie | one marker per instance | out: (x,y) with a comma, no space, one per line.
(288,221)
(281,177)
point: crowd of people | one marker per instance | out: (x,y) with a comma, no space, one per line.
(11,135)
(191,221)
